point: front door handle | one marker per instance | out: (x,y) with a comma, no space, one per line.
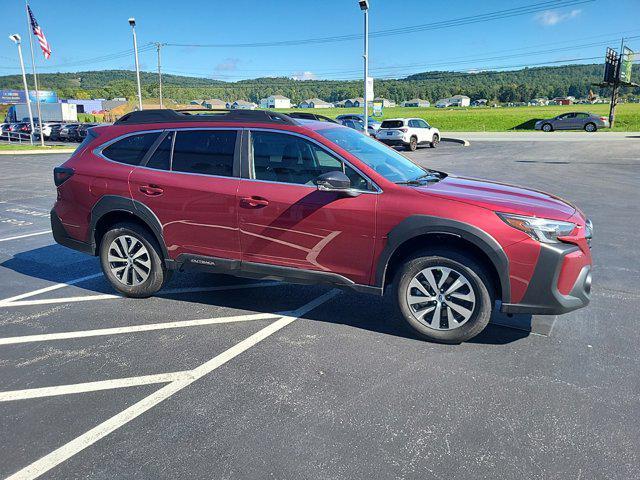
(254,202)
(151,190)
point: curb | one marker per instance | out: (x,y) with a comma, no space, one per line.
(464,143)
(36,152)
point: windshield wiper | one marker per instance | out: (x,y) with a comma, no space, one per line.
(427,177)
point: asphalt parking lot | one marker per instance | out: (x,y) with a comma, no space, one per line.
(218,377)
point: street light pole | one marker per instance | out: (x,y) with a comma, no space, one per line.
(15,38)
(132,22)
(364,6)
(159,46)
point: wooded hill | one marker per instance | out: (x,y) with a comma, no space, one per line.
(504,86)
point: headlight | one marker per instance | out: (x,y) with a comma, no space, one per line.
(540,229)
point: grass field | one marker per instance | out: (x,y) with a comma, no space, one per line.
(26,146)
(498,119)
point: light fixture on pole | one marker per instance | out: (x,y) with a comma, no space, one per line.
(132,22)
(364,6)
(15,38)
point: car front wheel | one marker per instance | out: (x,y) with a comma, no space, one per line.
(444,296)
(547,127)
(131,260)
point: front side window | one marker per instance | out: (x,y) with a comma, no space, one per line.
(387,162)
(206,152)
(279,157)
(423,124)
(132,149)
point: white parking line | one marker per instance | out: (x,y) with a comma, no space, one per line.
(17,302)
(90,437)
(24,236)
(135,328)
(10,396)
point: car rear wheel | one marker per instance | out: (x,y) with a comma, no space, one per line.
(131,260)
(444,296)
(590,127)
(435,140)
(547,127)
(413,144)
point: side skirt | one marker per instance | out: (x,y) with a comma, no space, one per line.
(262,271)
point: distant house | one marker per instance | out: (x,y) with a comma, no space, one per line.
(214,103)
(314,103)
(385,102)
(275,101)
(196,102)
(416,102)
(354,102)
(241,105)
(340,104)
(455,101)
(480,102)
(539,102)
(563,100)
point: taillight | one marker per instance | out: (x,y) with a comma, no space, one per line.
(61,175)
(404,130)
(604,119)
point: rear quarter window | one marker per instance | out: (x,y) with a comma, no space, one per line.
(392,124)
(132,149)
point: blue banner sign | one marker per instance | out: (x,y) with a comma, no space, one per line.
(17,96)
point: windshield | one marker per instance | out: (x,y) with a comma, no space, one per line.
(384,160)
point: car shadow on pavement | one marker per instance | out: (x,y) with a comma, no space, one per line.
(57,264)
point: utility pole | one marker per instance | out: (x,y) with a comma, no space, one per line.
(15,38)
(159,46)
(616,87)
(364,6)
(35,77)
(132,22)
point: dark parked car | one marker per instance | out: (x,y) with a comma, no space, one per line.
(81,131)
(373,122)
(573,121)
(263,195)
(68,133)
(54,135)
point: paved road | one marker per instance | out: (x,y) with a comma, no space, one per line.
(249,390)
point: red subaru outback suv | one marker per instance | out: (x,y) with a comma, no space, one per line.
(263,195)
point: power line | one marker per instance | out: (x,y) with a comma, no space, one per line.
(500,14)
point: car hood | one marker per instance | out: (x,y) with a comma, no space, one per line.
(500,197)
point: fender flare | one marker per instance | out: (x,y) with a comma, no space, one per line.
(417,225)
(116,203)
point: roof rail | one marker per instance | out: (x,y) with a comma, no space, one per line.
(167,115)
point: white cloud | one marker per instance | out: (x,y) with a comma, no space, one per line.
(304,76)
(553,17)
(227,65)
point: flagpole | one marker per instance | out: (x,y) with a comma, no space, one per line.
(35,77)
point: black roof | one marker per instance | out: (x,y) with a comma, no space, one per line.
(171,116)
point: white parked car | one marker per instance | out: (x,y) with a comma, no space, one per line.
(408,132)
(46,130)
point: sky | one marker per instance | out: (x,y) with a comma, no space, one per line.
(407,36)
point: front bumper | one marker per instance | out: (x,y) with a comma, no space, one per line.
(561,282)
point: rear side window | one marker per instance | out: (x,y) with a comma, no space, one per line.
(392,124)
(161,158)
(132,149)
(206,152)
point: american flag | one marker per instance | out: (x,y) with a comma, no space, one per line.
(37,31)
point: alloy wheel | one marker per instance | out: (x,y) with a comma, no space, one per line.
(441,298)
(129,260)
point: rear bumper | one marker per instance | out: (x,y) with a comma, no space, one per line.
(61,236)
(392,142)
(560,268)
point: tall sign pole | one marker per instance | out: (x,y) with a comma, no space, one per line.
(16,39)
(35,76)
(364,6)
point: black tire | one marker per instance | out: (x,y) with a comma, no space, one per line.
(413,144)
(478,279)
(158,274)
(435,140)
(547,127)
(590,127)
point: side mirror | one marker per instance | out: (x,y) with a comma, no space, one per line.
(335,182)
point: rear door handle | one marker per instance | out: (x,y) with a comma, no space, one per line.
(151,190)
(254,202)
